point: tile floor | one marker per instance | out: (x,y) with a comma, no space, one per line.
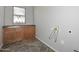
(26,46)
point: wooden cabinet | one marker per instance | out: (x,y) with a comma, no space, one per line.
(9,36)
(19,34)
(12,35)
(29,32)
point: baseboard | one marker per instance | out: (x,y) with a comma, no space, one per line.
(47,44)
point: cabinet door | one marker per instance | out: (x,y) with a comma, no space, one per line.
(19,34)
(9,35)
(29,32)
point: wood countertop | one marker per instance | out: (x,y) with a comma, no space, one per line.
(15,25)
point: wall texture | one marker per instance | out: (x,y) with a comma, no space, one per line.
(67,18)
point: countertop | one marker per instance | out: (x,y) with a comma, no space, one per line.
(15,25)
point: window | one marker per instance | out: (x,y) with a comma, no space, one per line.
(19,15)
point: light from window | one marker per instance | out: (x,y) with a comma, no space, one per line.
(19,15)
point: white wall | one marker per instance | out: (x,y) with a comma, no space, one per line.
(1,24)
(29,15)
(67,18)
(9,15)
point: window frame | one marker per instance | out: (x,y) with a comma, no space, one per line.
(18,15)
